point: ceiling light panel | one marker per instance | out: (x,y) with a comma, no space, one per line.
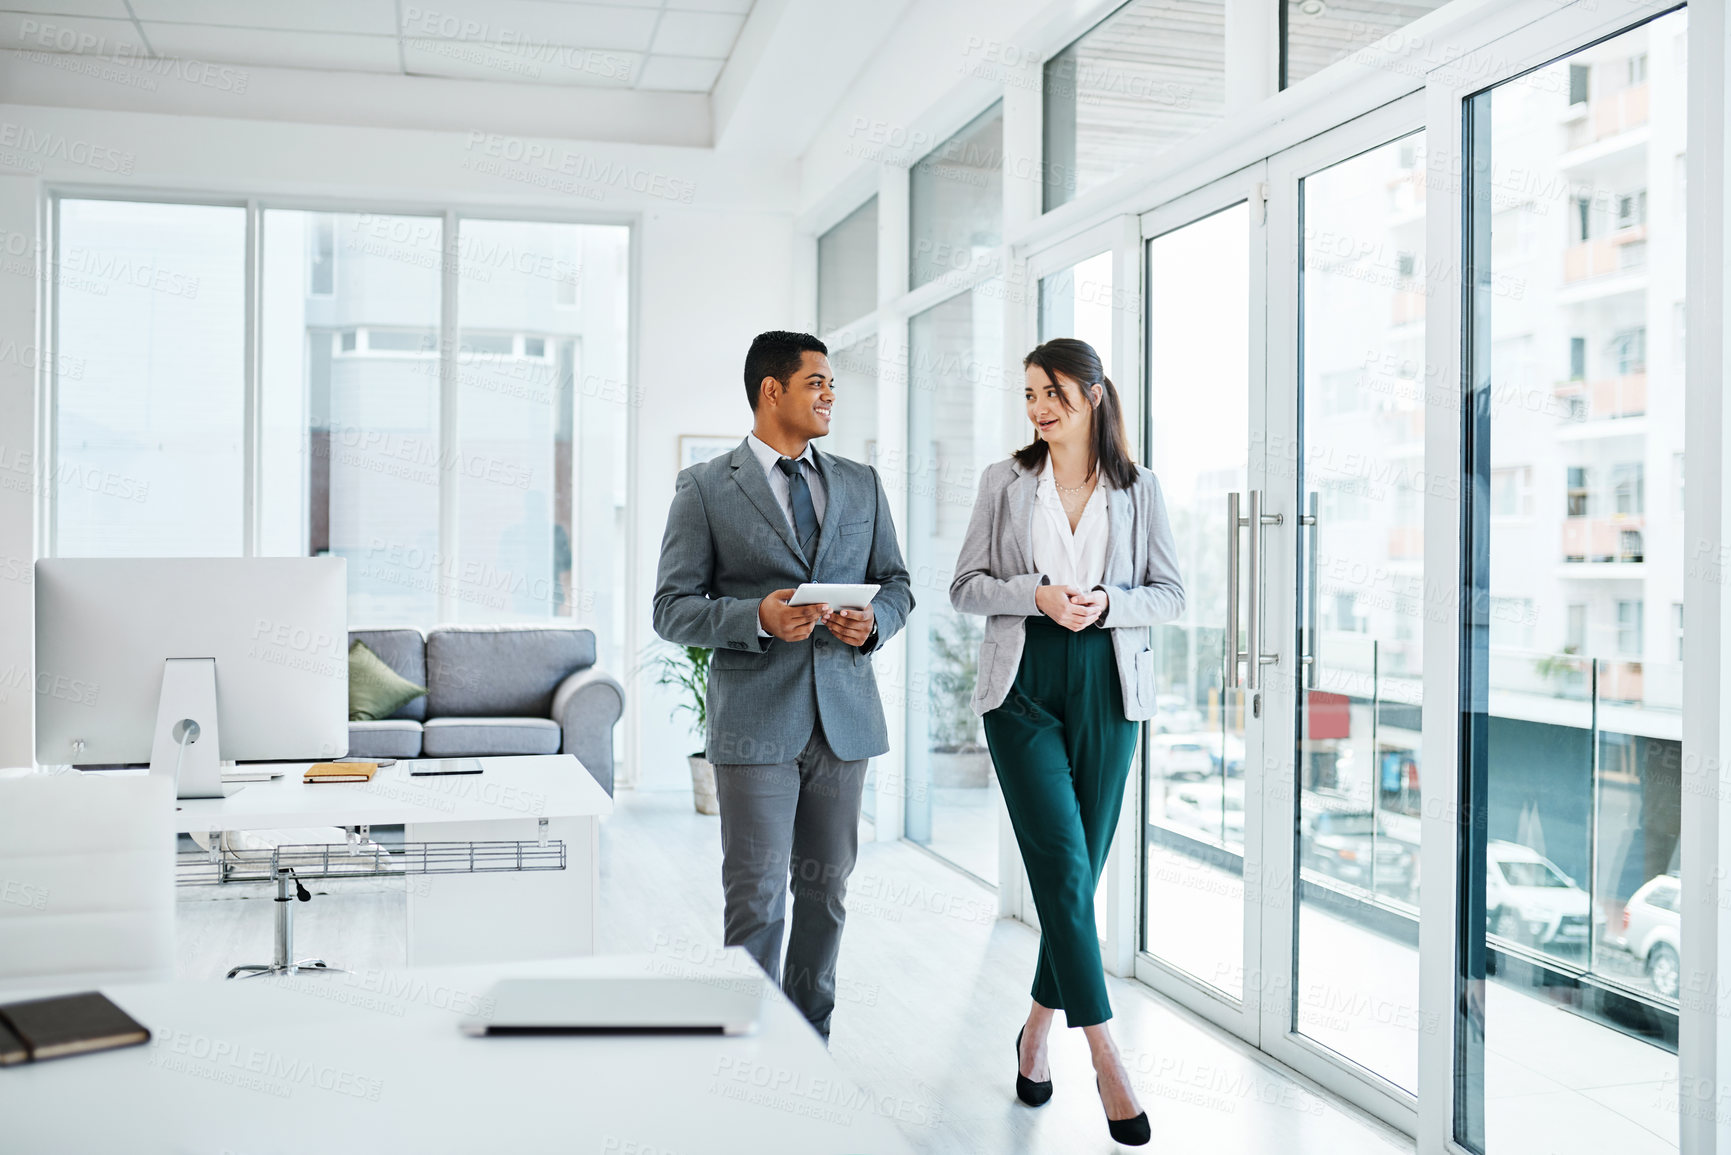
(375,17)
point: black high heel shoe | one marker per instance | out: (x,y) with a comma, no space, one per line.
(1034,1094)
(1129,1132)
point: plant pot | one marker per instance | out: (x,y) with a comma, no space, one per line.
(703,785)
(969,768)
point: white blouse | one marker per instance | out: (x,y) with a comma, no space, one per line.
(1070,558)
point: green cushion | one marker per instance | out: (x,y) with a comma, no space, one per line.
(375,690)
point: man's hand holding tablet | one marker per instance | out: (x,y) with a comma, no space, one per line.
(791,615)
(847,597)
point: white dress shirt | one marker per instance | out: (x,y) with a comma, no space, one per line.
(1070,557)
(767,456)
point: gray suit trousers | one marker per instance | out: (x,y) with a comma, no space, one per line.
(792,821)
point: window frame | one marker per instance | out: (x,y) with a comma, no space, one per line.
(450,214)
(1466,46)
(1546,39)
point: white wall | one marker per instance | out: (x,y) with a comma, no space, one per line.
(715,242)
(720,279)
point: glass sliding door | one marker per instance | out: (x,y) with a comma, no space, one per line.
(1359,484)
(1571,758)
(1203,422)
(1284,352)
(961,418)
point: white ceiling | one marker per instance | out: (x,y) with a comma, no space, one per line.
(650,45)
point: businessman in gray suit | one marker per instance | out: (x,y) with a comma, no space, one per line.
(794,712)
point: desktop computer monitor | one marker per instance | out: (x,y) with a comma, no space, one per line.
(185,662)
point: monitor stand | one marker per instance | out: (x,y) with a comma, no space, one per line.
(185,746)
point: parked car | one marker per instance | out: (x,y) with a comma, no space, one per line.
(1213,808)
(1528,900)
(1343,844)
(1183,757)
(1650,929)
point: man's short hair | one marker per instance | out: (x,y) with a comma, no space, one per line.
(777,354)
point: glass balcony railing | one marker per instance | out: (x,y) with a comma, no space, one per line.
(1604,539)
(1608,398)
(1609,115)
(1585,759)
(1624,251)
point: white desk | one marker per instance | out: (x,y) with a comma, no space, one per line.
(374,1062)
(454,918)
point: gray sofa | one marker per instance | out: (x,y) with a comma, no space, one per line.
(495,690)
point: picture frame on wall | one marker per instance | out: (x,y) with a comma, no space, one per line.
(695,449)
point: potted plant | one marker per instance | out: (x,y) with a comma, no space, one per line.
(957,758)
(686,669)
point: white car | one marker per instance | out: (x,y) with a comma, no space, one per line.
(1215,808)
(1182,756)
(1529,900)
(1650,930)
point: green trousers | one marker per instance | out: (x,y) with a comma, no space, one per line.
(1062,748)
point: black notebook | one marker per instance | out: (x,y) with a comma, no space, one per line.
(12,1048)
(64,1025)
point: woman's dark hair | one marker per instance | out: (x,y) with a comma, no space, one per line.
(1110,450)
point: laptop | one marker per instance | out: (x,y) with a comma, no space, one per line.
(621,1006)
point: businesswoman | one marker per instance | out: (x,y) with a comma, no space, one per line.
(1069,556)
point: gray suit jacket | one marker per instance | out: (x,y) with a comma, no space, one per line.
(995,576)
(727,545)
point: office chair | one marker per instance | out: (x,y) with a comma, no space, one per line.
(86,879)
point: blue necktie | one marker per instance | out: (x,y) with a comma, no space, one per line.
(799,493)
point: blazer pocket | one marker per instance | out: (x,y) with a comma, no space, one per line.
(983,669)
(1145,678)
(738,660)
(852,527)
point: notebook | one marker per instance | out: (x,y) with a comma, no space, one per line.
(12,1048)
(54,1028)
(341,772)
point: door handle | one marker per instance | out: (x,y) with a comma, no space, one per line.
(1307,656)
(1233,654)
(1252,655)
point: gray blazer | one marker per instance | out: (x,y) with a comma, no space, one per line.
(995,576)
(728,544)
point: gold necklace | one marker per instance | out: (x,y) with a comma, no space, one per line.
(1086,481)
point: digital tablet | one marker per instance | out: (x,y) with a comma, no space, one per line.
(835,595)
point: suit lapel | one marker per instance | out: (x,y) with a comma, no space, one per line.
(833,497)
(748,474)
(1022,491)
